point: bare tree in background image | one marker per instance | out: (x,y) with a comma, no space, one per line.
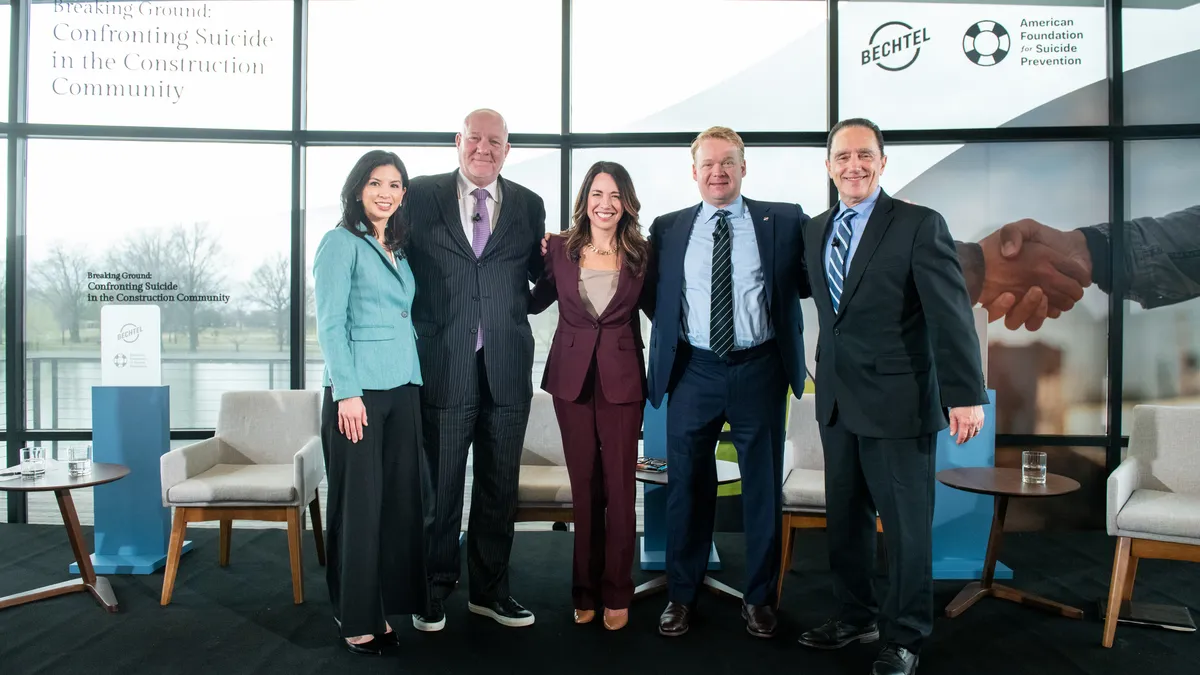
(61,282)
(270,288)
(197,271)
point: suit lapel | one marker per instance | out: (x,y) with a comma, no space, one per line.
(447,201)
(383,255)
(814,249)
(881,217)
(675,243)
(509,207)
(764,232)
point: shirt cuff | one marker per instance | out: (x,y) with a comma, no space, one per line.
(1098,250)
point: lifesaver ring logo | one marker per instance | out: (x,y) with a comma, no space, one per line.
(986,43)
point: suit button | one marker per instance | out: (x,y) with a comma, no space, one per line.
(837,331)
(595,326)
(475,298)
(404,315)
(474,330)
(479,265)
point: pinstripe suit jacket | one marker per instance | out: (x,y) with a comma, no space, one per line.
(457,292)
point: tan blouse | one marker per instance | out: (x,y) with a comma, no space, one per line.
(596,288)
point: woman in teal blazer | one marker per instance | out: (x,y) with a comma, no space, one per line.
(371,418)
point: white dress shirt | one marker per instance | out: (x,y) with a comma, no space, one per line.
(466,204)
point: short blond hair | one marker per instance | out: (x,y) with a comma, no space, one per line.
(720,133)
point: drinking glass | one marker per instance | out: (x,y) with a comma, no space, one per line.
(79,460)
(33,461)
(1033,467)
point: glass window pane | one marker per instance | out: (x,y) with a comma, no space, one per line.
(422,66)
(4,281)
(751,65)
(1160,54)
(178,64)
(1162,240)
(211,221)
(5,36)
(327,167)
(1051,381)
(975,66)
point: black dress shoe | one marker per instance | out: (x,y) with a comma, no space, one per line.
(433,620)
(834,634)
(373,647)
(506,612)
(675,619)
(389,639)
(760,620)
(895,660)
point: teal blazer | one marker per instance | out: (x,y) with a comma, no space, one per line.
(364,315)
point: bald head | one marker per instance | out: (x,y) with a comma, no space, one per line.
(482,146)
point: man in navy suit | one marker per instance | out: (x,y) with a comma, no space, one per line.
(725,346)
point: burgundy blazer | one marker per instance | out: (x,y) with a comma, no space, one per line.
(613,340)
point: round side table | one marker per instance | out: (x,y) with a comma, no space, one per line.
(57,480)
(727,472)
(1003,484)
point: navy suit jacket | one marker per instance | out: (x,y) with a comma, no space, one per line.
(779,228)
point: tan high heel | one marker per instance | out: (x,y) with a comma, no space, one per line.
(615,619)
(584,615)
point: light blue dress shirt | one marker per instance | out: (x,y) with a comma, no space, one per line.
(857,224)
(751,321)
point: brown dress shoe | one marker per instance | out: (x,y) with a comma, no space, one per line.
(615,619)
(674,620)
(584,615)
(760,620)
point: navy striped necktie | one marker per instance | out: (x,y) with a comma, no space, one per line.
(720,318)
(836,265)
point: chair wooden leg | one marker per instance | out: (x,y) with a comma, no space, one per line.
(294,515)
(1127,591)
(1116,588)
(314,510)
(226,537)
(785,557)
(174,550)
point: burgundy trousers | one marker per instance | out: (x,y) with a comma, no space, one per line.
(600,441)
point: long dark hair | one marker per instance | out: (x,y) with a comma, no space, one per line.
(629,239)
(353,213)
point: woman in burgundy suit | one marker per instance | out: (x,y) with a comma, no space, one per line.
(596,373)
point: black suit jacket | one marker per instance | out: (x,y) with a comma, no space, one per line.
(903,347)
(456,291)
(779,229)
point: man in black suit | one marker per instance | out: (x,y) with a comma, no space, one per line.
(725,346)
(474,249)
(897,348)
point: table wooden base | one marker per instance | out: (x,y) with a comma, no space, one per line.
(986,587)
(99,587)
(975,590)
(659,584)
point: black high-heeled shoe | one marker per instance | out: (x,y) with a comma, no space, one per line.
(388,639)
(373,647)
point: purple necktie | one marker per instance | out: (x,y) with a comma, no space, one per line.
(479,238)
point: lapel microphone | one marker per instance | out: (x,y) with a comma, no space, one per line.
(476,218)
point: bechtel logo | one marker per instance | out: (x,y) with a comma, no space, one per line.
(895,46)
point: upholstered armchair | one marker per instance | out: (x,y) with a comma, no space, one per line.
(264,463)
(544,489)
(1153,499)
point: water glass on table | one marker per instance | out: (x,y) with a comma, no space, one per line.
(33,461)
(1033,467)
(79,460)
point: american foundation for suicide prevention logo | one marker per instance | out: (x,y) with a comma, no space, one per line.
(986,43)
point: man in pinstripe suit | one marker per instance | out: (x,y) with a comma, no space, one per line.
(474,248)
